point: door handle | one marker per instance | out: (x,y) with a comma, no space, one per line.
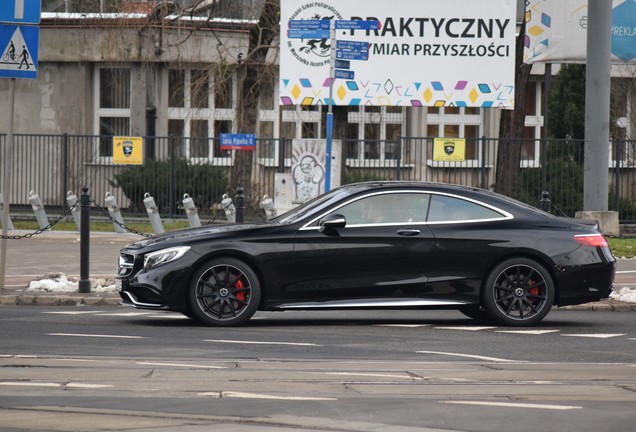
(408,232)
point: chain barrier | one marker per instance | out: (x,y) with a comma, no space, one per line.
(46,228)
(115,221)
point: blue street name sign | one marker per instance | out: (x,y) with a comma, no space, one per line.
(310,24)
(308,34)
(357,25)
(352,45)
(344,74)
(20,11)
(352,55)
(343,64)
(19,46)
(238,142)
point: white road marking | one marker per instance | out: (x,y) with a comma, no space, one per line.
(530,332)
(96,335)
(88,386)
(476,357)
(29,384)
(465,328)
(260,342)
(407,377)
(242,395)
(514,405)
(597,335)
(403,325)
(125,314)
(180,365)
(74,312)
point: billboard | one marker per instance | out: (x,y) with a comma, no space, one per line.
(556,31)
(424,53)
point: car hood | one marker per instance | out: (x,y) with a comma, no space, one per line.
(192,234)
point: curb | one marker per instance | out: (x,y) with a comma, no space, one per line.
(46,299)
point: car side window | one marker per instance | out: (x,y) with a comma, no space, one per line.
(386,208)
(450,209)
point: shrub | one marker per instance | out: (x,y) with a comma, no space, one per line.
(204,183)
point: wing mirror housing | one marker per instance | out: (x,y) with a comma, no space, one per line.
(332,221)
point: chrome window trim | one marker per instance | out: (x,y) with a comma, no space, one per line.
(504,214)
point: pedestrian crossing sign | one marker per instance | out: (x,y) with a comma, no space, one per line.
(19,45)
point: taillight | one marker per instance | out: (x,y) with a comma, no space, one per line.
(593,240)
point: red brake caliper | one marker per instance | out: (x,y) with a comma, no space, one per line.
(241,295)
(534,290)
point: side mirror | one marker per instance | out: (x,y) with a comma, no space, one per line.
(332,221)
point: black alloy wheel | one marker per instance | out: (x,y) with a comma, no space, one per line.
(518,292)
(224,292)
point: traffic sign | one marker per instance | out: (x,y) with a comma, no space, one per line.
(352,55)
(310,24)
(20,11)
(19,45)
(344,74)
(352,45)
(343,64)
(357,25)
(308,34)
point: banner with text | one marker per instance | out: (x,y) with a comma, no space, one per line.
(426,53)
(556,32)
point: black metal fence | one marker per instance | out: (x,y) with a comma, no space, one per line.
(53,165)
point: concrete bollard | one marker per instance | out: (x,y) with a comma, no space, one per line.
(267,204)
(76,211)
(153,214)
(228,207)
(38,209)
(191,211)
(9,223)
(113,210)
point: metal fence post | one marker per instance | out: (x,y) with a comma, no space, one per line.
(85,232)
(153,214)
(191,211)
(240,205)
(38,209)
(171,178)
(71,200)
(228,208)
(9,223)
(113,210)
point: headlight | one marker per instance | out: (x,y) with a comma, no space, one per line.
(164,256)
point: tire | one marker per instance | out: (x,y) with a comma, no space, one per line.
(518,292)
(224,292)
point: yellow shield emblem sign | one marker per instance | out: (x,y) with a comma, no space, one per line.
(449,149)
(128,150)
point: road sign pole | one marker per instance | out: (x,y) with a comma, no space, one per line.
(6,184)
(332,69)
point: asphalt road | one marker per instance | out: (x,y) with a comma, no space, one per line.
(115,368)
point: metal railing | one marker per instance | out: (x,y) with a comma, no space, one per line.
(52,165)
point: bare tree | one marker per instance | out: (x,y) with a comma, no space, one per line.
(511,125)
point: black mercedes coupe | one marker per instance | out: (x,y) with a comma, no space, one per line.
(376,245)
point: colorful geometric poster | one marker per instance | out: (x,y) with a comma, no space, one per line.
(424,53)
(556,31)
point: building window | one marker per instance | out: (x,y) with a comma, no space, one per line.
(194,116)
(112,112)
(372,134)
(457,122)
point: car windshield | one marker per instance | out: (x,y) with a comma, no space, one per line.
(306,208)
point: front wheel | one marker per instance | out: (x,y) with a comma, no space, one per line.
(518,292)
(224,292)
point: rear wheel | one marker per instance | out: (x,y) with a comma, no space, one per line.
(224,292)
(518,292)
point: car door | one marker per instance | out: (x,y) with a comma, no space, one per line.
(378,251)
(467,241)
